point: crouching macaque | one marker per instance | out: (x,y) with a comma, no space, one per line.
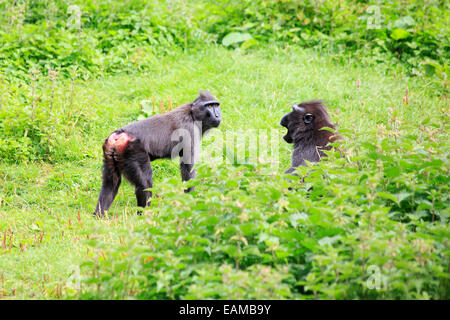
(129,150)
(304,124)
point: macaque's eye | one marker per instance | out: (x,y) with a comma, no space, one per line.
(308,118)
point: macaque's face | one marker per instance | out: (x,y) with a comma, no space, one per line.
(207,110)
(303,118)
(298,120)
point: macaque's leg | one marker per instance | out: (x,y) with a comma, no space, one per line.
(137,169)
(187,173)
(110,186)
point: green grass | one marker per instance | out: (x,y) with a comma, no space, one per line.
(45,207)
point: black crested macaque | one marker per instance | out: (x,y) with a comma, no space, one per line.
(129,150)
(304,124)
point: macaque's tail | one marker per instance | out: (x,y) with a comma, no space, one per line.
(115,146)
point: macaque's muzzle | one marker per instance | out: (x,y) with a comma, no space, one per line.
(288,138)
(284,123)
(215,111)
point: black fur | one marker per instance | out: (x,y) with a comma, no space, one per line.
(128,151)
(304,124)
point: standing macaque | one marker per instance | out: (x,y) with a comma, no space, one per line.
(304,124)
(129,150)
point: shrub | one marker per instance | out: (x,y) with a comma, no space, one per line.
(372,222)
(45,120)
(110,36)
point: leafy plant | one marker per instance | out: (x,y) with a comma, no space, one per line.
(107,37)
(371,222)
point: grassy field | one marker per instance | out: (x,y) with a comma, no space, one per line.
(46,226)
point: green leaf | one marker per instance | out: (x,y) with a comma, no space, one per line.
(404,22)
(146,106)
(235,37)
(328,129)
(328,240)
(402,196)
(392,172)
(399,34)
(388,196)
(294,218)
(252,250)
(248,43)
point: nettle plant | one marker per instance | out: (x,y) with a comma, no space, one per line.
(107,37)
(371,221)
(45,117)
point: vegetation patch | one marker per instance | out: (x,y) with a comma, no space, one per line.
(368,222)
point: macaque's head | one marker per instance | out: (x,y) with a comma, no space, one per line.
(305,120)
(206,109)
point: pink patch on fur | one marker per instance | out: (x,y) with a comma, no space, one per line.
(119,141)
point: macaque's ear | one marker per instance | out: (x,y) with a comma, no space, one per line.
(205,98)
(295,107)
(205,95)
